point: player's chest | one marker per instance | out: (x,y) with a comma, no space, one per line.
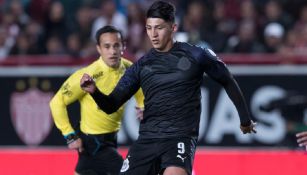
(170,69)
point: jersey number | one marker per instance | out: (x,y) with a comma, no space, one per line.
(181,148)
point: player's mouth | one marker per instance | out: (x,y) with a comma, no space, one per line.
(155,41)
(114,59)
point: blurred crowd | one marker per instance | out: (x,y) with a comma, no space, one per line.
(67,27)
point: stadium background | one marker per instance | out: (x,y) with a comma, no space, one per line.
(264,43)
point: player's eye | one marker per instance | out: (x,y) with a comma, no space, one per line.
(116,46)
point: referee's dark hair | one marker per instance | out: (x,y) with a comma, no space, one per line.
(163,10)
(107,29)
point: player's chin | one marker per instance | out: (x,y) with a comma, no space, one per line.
(157,46)
(114,63)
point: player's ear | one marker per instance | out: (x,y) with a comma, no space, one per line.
(124,44)
(98,49)
(174,27)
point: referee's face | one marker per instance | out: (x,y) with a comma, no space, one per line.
(160,33)
(110,48)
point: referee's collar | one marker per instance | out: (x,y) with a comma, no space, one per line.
(108,68)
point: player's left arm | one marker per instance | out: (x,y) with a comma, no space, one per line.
(218,71)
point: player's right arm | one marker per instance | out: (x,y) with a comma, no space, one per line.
(69,92)
(126,87)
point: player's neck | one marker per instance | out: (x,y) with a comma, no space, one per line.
(167,47)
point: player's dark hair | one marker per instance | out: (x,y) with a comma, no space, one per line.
(163,10)
(107,29)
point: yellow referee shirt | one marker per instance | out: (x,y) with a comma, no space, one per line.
(93,120)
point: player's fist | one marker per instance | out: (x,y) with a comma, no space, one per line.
(87,83)
(249,129)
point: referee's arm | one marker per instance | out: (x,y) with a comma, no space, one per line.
(69,92)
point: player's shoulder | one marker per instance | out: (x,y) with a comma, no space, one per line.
(192,47)
(189,49)
(202,49)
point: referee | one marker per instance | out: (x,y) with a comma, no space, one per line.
(97,140)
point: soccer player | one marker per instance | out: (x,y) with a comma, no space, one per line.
(170,75)
(97,140)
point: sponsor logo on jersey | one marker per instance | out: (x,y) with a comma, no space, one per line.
(180,157)
(96,76)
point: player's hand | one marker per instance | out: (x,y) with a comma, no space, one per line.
(249,129)
(302,138)
(87,83)
(139,113)
(77,145)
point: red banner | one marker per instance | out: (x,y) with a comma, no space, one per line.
(207,162)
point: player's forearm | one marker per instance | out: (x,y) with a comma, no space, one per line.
(235,94)
(123,91)
(109,104)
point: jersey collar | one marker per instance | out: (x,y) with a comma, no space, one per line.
(174,47)
(110,69)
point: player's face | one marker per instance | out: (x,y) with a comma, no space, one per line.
(160,33)
(110,48)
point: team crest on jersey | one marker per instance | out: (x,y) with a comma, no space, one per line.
(184,63)
(125,165)
(31,115)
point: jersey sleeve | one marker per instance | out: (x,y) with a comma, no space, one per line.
(69,92)
(127,86)
(217,70)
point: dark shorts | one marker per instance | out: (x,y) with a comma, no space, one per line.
(153,156)
(100,156)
